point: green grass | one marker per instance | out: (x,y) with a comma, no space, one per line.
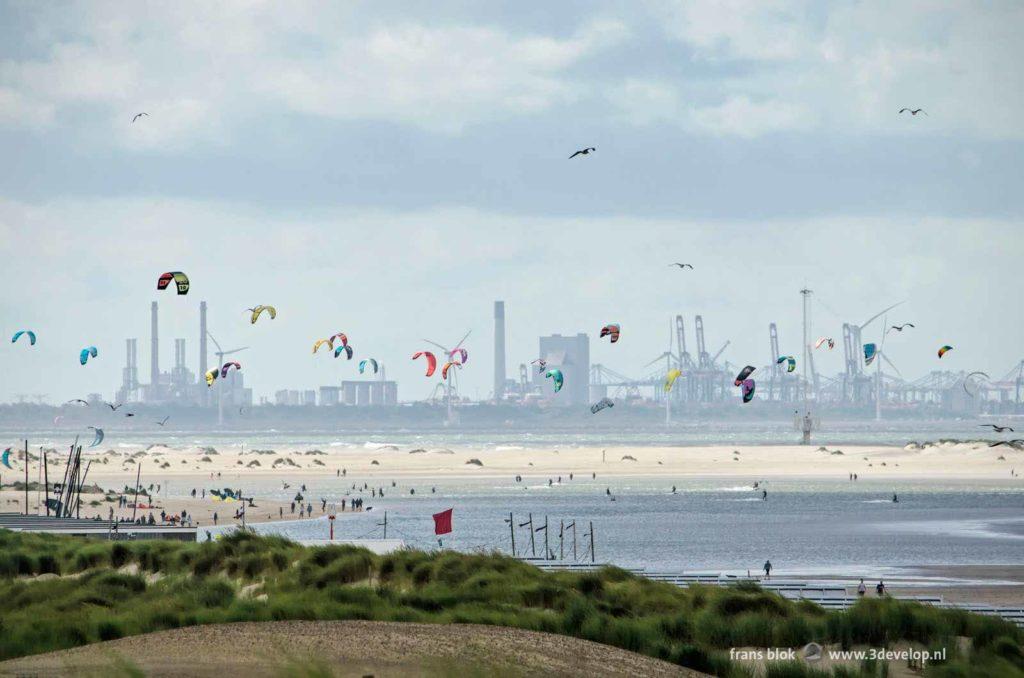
(126,588)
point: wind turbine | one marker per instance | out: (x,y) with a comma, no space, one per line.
(220,353)
(449,386)
(880,355)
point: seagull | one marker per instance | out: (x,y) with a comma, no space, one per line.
(113,407)
(899,328)
(139,115)
(585,151)
(161,423)
(997,429)
(129,414)
(1007,442)
(689,266)
(913,111)
(77,400)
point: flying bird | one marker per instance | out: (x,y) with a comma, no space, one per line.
(997,429)
(689,266)
(129,414)
(113,407)
(77,400)
(913,111)
(161,423)
(1014,442)
(139,115)
(585,151)
(900,328)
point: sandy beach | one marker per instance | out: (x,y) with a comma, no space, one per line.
(174,472)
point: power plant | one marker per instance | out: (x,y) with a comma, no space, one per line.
(179,386)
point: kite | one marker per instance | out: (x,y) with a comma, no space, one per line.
(31,336)
(789,360)
(371,362)
(744,373)
(670,379)
(944,350)
(344,348)
(179,278)
(447,365)
(612,331)
(83,357)
(748,390)
(6,458)
(443,522)
(339,335)
(870,351)
(556,377)
(211,377)
(831,343)
(99,436)
(321,342)
(968,378)
(601,404)
(431,361)
(461,352)
(224,368)
(257,310)
(57,419)
(541,364)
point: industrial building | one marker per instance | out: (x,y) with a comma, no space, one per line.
(180,385)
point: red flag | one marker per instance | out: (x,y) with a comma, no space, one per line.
(443,522)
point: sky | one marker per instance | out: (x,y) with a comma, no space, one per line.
(389,169)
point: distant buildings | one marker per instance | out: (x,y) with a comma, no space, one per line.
(179,386)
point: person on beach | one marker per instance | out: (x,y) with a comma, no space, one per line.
(764,495)
(895,499)
(280,511)
(861,589)
(214,517)
(767,569)
(880,588)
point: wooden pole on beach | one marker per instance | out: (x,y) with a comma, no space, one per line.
(26,477)
(547,551)
(533,546)
(512,532)
(592,541)
(46,485)
(78,496)
(135,505)
(561,539)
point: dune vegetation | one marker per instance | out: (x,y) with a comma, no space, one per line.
(61,592)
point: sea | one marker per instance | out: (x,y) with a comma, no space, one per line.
(660,524)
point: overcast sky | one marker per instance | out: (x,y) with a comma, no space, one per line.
(389,169)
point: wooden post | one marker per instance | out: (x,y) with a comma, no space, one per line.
(561,539)
(574,541)
(512,532)
(592,541)
(46,485)
(26,477)
(385,524)
(135,506)
(78,496)
(547,552)
(533,546)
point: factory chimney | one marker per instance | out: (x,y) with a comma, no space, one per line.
(202,340)
(499,350)
(154,347)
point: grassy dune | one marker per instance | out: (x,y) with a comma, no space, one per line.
(94,590)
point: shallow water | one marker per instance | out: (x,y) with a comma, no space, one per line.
(708,524)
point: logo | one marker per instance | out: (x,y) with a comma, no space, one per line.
(812,652)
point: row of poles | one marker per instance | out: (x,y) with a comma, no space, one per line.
(67,501)
(563,529)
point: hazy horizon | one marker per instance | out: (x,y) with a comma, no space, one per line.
(390,170)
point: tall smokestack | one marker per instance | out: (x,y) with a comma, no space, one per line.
(154,346)
(202,340)
(499,350)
